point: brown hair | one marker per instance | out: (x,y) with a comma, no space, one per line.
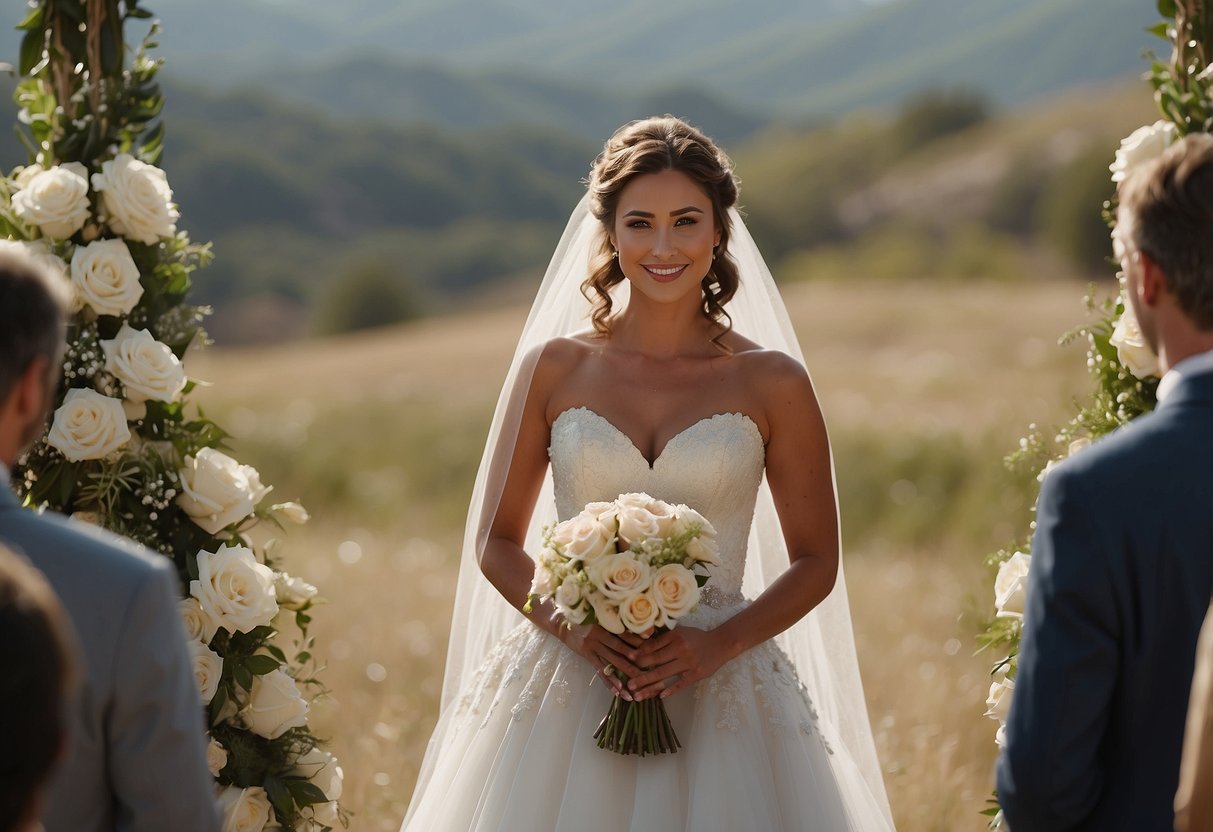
(33,306)
(651,146)
(1170,202)
(39,672)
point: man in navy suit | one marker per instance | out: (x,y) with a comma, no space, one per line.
(135,759)
(1122,567)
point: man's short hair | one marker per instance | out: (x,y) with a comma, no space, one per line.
(39,671)
(33,308)
(1170,203)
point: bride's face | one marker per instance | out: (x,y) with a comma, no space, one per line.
(665,234)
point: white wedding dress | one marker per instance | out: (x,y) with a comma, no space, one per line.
(515,749)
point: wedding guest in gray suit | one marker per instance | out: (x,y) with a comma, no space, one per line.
(1122,566)
(39,665)
(136,757)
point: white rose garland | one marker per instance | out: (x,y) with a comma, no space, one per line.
(234,589)
(275,705)
(217,491)
(147,368)
(105,277)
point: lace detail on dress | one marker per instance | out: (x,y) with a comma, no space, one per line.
(717,474)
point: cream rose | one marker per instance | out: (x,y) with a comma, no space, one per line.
(1011,585)
(295,512)
(198,625)
(106,278)
(137,199)
(543,584)
(88,425)
(704,550)
(676,592)
(321,768)
(244,810)
(636,525)
(234,589)
(998,703)
(1141,146)
(619,576)
(569,597)
(606,613)
(216,757)
(275,705)
(217,491)
(1131,347)
(208,667)
(292,593)
(588,539)
(639,612)
(147,368)
(55,200)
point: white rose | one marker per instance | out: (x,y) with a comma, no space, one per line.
(147,368)
(216,757)
(568,599)
(137,199)
(676,592)
(295,512)
(234,589)
(619,576)
(639,612)
(1142,145)
(106,278)
(1000,736)
(607,613)
(244,810)
(703,550)
(588,538)
(292,593)
(543,584)
(208,667)
(217,491)
(636,525)
(321,768)
(275,705)
(88,425)
(998,703)
(1011,585)
(1131,347)
(686,517)
(322,814)
(55,200)
(198,625)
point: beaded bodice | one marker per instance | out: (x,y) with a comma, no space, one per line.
(714,466)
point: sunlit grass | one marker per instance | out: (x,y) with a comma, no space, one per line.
(924,387)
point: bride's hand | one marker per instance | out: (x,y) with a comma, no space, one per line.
(675,659)
(611,655)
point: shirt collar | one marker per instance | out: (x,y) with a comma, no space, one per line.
(1191,366)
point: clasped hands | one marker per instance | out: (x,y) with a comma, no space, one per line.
(653,664)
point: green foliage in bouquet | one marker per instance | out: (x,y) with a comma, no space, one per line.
(124,449)
(1123,371)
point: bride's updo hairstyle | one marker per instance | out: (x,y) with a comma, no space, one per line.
(652,146)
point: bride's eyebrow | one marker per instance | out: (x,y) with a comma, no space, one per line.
(689,209)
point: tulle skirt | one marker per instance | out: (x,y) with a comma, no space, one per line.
(516,751)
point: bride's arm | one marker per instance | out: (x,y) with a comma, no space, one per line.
(802,484)
(503,560)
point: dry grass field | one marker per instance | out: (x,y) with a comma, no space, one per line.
(924,387)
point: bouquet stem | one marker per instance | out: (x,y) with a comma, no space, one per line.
(637,728)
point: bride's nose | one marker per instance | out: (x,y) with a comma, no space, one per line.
(663,244)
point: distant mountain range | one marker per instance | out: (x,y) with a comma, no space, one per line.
(480,62)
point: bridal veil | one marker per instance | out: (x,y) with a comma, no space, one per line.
(821,645)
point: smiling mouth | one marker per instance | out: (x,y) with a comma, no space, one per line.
(665,274)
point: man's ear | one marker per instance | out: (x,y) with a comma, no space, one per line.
(1153,280)
(31,393)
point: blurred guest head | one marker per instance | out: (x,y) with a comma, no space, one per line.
(1165,223)
(36,655)
(33,307)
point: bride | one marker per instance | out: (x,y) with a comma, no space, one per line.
(657,357)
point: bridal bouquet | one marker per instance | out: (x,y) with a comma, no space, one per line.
(635,564)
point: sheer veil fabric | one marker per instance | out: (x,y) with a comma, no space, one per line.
(821,645)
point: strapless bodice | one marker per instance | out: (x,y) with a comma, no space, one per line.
(714,466)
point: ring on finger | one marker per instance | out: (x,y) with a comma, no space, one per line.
(609,670)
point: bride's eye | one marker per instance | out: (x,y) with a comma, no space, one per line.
(686,221)
(638,224)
